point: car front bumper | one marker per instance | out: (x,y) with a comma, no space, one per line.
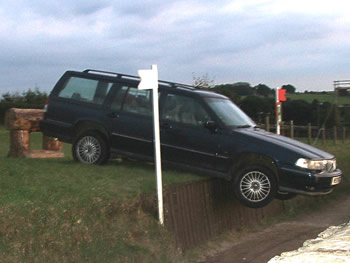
(308,182)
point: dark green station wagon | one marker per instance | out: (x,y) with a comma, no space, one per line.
(103,114)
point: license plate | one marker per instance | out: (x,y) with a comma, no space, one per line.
(336,180)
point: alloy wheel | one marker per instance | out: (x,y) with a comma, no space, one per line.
(88,149)
(255,186)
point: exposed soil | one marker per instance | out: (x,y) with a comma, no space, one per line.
(261,246)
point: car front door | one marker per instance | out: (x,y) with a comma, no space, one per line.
(184,138)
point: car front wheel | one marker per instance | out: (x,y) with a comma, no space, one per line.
(255,186)
(90,148)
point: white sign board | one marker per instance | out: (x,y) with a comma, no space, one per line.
(149,80)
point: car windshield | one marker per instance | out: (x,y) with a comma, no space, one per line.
(229,113)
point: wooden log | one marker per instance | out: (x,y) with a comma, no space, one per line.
(282,129)
(19,143)
(267,123)
(51,144)
(43,154)
(292,129)
(23,119)
(21,122)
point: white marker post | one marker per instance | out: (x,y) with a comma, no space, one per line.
(149,80)
(278,112)
(280,96)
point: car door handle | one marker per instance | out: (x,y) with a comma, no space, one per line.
(165,125)
(112,115)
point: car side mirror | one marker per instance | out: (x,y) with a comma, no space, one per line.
(211,125)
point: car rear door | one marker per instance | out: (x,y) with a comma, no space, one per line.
(130,122)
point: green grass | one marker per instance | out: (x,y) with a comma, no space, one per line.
(57,210)
(52,180)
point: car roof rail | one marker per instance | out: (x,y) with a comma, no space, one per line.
(109,73)
(125,76)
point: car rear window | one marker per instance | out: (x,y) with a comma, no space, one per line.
(85,90)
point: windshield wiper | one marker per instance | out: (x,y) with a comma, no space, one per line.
(243,126)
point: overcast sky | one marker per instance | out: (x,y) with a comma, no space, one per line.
(303,43)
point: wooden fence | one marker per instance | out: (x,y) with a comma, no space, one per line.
(312,133)
(198,211)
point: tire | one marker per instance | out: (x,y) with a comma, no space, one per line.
(90,148)
(285,195)
(255,186)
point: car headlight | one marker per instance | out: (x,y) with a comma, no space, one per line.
(320,165)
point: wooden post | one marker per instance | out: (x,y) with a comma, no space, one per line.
(323,135)
(51,144)
(292,129)
(344,134)
(309,132)
(20,123)
(267,123)
(20,143)
(335,134)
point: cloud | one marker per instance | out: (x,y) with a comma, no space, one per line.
(258,41)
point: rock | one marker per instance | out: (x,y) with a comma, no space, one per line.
(332,245)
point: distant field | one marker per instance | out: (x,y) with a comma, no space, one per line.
(309,97)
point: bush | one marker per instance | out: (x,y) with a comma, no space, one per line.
(257,107)
(30,99)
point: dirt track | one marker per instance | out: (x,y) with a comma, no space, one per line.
(261,246)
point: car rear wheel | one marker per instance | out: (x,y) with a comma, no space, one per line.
(90,148)
(255,186)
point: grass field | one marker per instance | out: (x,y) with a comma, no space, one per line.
(56,210)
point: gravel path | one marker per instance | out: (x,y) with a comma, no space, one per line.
(261,246)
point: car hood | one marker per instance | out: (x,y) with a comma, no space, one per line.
(302,149)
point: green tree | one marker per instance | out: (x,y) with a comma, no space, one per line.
(263,90)
(295,110)
(289,88)
(203,82)
(239,88)
(257,107)
(30,99)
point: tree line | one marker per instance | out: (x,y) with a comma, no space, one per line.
(29,99)
(258,102)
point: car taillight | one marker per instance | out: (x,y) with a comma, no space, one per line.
(46,106)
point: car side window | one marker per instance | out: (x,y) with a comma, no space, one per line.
(118,98)
(86,90)
(138,101)
(185,110)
